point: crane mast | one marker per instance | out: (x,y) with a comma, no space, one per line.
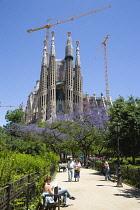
(105,65)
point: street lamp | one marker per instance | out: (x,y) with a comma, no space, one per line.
(119,182)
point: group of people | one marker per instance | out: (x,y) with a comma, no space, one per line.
(73,170)
(49,187)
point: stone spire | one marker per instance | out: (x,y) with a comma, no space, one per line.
(52,51)
(51,100)
(102,102)
(77,61)
(69,47)
(77,92)
(44,58)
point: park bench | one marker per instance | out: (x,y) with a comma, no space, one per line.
(50,206)
(62,167)
(113,172)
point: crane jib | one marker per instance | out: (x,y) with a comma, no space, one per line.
(68,19)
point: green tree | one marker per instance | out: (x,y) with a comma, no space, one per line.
(127,113)
(69,147)
(15,116)
(101,141)
(1,130)
(27,147)
(81,135)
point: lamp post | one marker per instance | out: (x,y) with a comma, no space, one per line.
(119,181)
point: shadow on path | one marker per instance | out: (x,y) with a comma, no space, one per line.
(68,205)
(101,185)
(130,193)
(96,173)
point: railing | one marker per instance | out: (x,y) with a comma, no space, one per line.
(129,174)
(19,193)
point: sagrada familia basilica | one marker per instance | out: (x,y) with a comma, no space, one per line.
(60,86)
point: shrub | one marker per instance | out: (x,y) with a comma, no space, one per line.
(15,165)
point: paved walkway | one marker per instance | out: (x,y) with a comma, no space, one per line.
(92,192)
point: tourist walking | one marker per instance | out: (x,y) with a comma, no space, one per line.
(70,166)
(77,166)
(107,170)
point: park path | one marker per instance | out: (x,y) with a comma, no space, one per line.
(92,192)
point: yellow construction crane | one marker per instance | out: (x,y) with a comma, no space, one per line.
(68,19)
(105,63)
(20,106)
(48,26)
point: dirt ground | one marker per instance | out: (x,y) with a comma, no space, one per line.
(93,192)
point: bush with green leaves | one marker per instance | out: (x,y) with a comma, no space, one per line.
(26,147)
(15,165)
(131,175)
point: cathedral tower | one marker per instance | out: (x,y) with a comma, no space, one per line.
(60,89)
(51,99)
(78,89)
(42,92)
(69,75)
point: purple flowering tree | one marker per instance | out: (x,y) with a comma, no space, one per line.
(53,135)
(86,127)
(80,128)
(27,132)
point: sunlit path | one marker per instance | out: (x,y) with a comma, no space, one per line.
(92,192)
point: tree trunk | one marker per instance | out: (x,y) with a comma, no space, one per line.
(54,149)
(133,159)
(85,159)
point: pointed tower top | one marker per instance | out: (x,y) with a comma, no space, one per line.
(52,51)
(77,42)
(45,42)
(69,47)
(44,58)
(102,102)
(77,61)
(52,33)
(69,33)
(87,95)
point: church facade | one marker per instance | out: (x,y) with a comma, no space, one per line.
(60,87)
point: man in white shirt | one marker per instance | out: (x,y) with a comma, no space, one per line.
(70,166)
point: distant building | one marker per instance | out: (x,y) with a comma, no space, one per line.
(60,86)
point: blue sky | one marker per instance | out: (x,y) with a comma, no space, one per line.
(21,52)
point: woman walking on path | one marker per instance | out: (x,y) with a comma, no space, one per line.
(107,170)
(77,167)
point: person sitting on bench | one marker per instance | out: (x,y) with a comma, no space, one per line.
(62,167)
(47,188)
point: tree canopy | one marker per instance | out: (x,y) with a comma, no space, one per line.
(83,132)
(127,113)
(15,116)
